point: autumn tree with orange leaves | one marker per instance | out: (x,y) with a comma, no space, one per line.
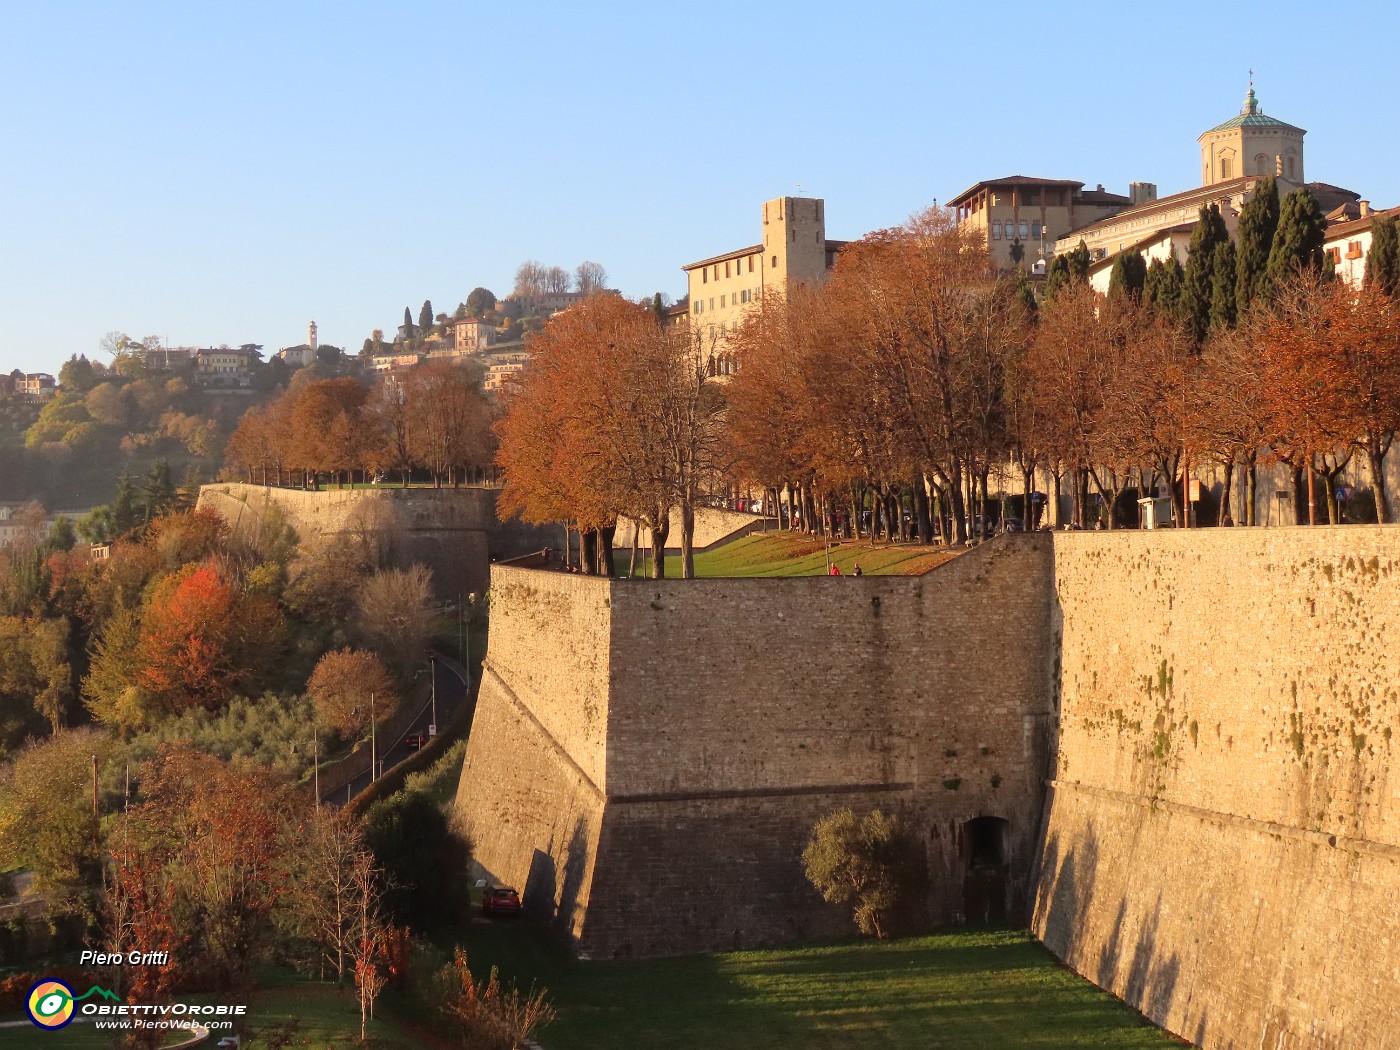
(217,832)
(1331,361)
(615,416)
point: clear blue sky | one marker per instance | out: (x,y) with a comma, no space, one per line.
(224,173)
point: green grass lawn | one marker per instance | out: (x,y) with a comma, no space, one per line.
(960,990)
(791,554)
(966,989)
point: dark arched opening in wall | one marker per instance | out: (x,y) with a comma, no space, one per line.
(985,880)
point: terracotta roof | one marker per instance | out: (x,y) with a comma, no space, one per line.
(1205,194)
(1141,243)
(1339,231)
(1102,197)
(757,249)
(754,250)
(1330,197)
(1012,181)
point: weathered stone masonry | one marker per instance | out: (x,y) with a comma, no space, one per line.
(1222,840)
(455,532)
(650,756)
(1189,736)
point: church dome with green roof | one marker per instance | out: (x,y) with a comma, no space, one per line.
(1251,116)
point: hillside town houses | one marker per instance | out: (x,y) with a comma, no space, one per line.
(1024,220)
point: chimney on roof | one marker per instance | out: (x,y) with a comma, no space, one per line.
(1100,187)
(1365,207)
(1142,192)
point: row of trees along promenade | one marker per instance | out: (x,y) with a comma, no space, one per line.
(434,417)
(917,369)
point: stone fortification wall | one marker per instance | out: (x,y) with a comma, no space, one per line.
(533,783)
(712,526)
(1222,837)
(453,531)
(739,711)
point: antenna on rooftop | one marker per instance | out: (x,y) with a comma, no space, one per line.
(799,189)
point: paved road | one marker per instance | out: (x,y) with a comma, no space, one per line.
(450,678)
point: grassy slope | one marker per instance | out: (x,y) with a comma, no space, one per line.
(959,990)
(787,554)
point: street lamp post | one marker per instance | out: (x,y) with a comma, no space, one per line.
(373,745)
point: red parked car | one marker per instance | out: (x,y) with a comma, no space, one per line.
(501,900)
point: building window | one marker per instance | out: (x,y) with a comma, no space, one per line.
(1289,161)
(712,302)
(996,231)
(1025,230)
(1335,254)
(1353,249)
(726,269)
(721,302)
(1225,167)
(705,275)
(775,262)
(750,264)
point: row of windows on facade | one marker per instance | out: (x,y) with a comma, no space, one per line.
(734,299)
(738,268)
(1353,252)
(723,365)
(1026,230)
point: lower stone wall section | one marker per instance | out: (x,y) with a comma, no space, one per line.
(532,814)
(1231,932)
(690,875)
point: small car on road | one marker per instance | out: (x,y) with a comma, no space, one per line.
(501,900)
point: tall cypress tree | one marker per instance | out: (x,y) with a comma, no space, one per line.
(1173,289)
(408,331)
(1258,223)
(160,490)
(1079,261)
(1223,287)
(1056,277)
(425,316)
(1210,231)
(1298,242)
(1129,275)
(1383,260)
(124,512)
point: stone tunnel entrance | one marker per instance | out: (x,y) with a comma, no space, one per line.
(985,881)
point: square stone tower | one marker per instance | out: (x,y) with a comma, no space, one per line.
(794,240)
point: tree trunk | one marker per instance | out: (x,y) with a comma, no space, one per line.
(659,535)
(1375,455)
(632,561)
(1251,487)
(1225,492)
(588,551)
(607,566)
(687,540)
(957,509)
(921,510)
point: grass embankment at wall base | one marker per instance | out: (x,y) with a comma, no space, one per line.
(966,989)
(795,554)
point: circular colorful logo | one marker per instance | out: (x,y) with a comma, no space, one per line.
(50,1004)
